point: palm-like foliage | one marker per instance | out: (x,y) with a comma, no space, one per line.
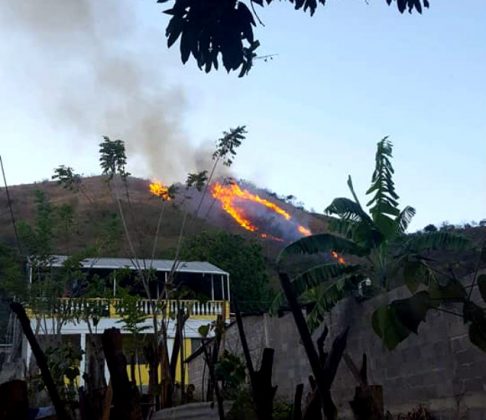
(197,180)
(113,158)
(374,243)
(226,146)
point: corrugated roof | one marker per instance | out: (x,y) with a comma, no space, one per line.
(201,267)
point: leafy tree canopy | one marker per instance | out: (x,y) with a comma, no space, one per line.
(208,29)
(377,253)
(113,158)
(197,180)
(242,259)
(12,279)
(226,146)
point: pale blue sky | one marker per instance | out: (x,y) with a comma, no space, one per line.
(342,80)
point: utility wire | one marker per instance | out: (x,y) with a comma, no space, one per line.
(9,203)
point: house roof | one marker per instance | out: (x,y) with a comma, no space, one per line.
(198,267)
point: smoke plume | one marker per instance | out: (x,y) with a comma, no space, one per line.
(93,75)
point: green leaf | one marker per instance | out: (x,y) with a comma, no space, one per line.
(385,224)
(328,295)
(347,210)
(351,188)
(321,274)
(453,291)
(387,326)
(421,242)
(404,218)
(342,227)
(323,242)
(411,274)
(185,46)
(203,330)
(330,282)
(482,286)
(477,333)
(384,201)
(226,146)
(473,313)
(277,303)
(412,311)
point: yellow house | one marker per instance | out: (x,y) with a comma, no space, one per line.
(204,291)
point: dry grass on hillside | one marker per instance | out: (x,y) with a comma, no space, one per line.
(142,210)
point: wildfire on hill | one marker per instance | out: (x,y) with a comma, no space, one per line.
(160,190)
(239,203)
(234,201)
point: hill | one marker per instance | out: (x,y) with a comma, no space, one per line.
(94,213)
(95,210)
(94,207)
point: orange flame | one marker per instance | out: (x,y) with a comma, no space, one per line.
(304,231)
(338,258)
(160,190)
(227,196)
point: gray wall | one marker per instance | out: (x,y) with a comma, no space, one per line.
(438,368)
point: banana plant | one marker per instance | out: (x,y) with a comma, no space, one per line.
(374,250)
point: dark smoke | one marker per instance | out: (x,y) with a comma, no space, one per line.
(94,78)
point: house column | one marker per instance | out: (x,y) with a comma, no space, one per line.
(114,284)
(212,287)
(82,363)
(228,284)
(28,356)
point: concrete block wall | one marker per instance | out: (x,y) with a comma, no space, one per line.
(438,368)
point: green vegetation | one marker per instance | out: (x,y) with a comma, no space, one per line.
(230,370)
(379,255)
(12,277)
(64,361)
(242,259)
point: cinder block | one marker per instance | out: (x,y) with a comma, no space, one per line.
(475,414)
(465,357)
(474,385)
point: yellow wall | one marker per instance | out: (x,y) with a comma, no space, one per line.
(187,353)
(144,369)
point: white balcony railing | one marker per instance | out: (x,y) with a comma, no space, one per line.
(113,308)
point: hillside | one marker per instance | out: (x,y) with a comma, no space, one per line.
(95,208)
(95,205)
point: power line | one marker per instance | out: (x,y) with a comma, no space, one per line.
(9,203)
(265,57)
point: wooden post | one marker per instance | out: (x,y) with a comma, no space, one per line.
(305,336)
(105,412)
(324,366)
(165,379)
(177,349)
(313,404)
(244,343)
(261,381)
(209,363)
(297,407)
(367,403)
(41,360)
(180,320)
(126,400)
(264,391)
